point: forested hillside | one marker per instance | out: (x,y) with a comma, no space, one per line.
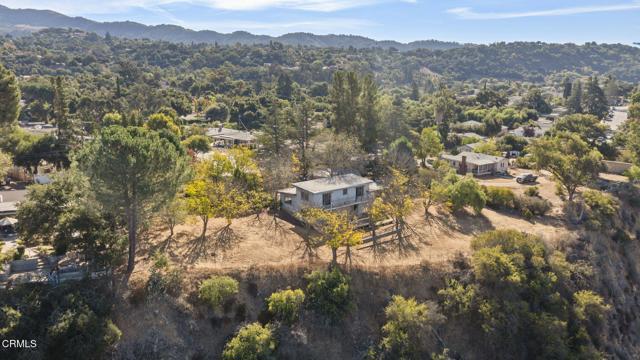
(25,21)
(64,52)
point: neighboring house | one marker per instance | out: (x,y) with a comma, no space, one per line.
(472,135)
(541,127)
(349,192)
(528,131)
(477,164)
(469,147)
(9,200)
(231,137)
(470,123)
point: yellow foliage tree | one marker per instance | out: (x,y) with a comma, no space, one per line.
(336,229)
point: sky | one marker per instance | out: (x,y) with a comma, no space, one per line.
(467,21)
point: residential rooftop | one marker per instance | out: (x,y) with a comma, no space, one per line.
(473,158)
(332,183)
(231,134)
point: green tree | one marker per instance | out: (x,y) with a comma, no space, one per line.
(566,88)
(429,144)
(253,342)
(198,143)
(217,289)
(161,121)
(285,305)
(588,127)
(570,159)
(9,98)
(574,102)
(634,107)
(217,112)
(5,165)
(65,214)
(134,171)
(284,88)
(415,91)
(276,128)
(329,292)
(408,325)
(369,113)
(467,192)
(345,98)
(594,101)
(533,99)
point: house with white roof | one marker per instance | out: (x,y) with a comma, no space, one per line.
(477,164)
(341,192)
(225,137)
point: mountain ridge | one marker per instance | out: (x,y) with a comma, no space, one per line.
(24,21)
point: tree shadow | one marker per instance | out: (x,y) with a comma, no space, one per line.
(222,240)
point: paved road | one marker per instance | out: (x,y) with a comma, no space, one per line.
(619,117)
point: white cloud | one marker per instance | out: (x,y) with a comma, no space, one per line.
(469,14)
(324,26)
(75,7)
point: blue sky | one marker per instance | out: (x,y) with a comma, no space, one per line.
(477,21)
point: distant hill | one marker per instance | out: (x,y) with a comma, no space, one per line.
(24,21)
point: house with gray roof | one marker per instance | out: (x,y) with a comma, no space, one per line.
(477,164)
(225,137)
(341,192)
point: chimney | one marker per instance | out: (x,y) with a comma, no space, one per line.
(462,170)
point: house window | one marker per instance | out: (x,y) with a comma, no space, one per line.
(326,199)
(359,191)
(345,191)
(304,195)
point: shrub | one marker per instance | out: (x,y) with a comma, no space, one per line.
(286,304)
(532,191)
(19,254)
(530,206)
(602,209)
(407,324)
(164,278)
(217,289)
(253,342)
(590,307)
(467,192)
(329,293)
(499,197)
(525,162)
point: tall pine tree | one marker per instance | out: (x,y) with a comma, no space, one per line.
(594,101)
(9,98)
(369,113)
(574,102)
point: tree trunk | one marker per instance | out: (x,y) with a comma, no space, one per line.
(205,222)
(334,254)
(132,226)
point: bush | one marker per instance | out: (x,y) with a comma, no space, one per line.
(407,324)
(328,292)
(164,279)
(525,162)
(286,304)
(217,289)
(602,209)
(467,192)
(253,342)
(532,191)
(530,206)
(499,197)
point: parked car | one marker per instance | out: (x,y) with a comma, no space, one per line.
(526,178)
